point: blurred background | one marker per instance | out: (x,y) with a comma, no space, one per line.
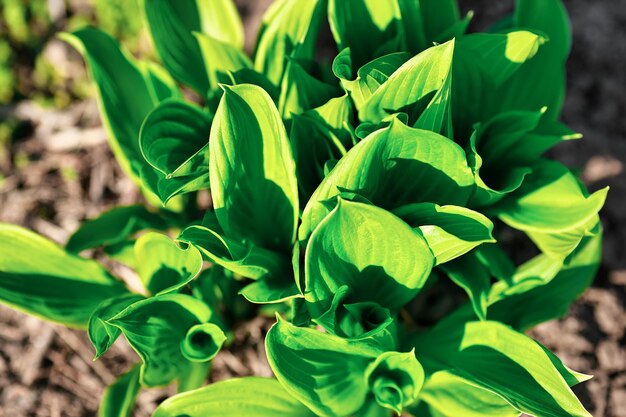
(56,170)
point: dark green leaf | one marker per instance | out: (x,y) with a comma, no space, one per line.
(101,333)
(118,399)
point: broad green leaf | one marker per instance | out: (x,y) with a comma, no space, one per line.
(468,273)
(289,27)
(544,288)
(541,82)
(221,58)
(220,20)
(438,16)
(269,291)
(324,372)
(483,66)
(114,227)
(453,396)
(334,376)
(301,91)
(126,94)
(395,380)
(171,25)
(250,76)
(450,231)
(164,266)
(414,84)
(250,396)
(393,167)
(378,21)
(159,330)
(369,250)
(413,24)
(318,136)
(40,278)
(253,174)
(118,399)
(174,139)
(245,259)
(101,333)
(552,208)
(369,77)
(492,356)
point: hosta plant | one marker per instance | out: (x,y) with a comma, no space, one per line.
(348,193)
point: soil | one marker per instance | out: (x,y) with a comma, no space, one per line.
(62,172)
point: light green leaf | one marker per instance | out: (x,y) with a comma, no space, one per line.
(163,266)
(300,91)
(289,28)
(220,58)
(220,20)
(126,95)
(101,333)
(40,278)
(324,372)
(253,174)
(369,77)
(483,66)
(114,227)
(161,328)
(245,259)
(118,399)
(372,252)
(552,208)
(171,25)
(234,398)
(393,167)
(415,83)
(544,288)
(174,139)
(266,290)
(450,231)
(453,396)
(492,356)
(378,21)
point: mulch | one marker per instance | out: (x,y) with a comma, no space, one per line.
(62,172)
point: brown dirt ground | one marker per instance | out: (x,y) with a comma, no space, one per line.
(62,172)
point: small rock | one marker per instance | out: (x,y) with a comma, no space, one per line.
(611,356)
(617,402)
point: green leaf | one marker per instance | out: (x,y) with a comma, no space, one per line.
(220,19)
(552,208)
(174,139)
(245,259)
(171,25)
(369,77)
(250,76)
(318,136)
(483,66)
(101,333)
(450,231)
(492,356)
(415,83)
(544,288)
(369,250)
(253,174)
(395,380)
(468,273)
(118,399)
(378,21)
(114,227)
(393,167)
(221,58)
(233,398)
(265,291)
(160,330)
(289,28)
(324,372)
(453,396)
(413,25)
(438,16)
(40,278)
(163,266)
(126,94)
(301,91)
